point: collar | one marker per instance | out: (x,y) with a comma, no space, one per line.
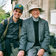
(11,20)
(35,19)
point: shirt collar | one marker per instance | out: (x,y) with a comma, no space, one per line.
(11,20)
(37,19)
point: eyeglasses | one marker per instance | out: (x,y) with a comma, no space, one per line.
(18,11)
(35,10)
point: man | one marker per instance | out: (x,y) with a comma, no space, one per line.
(12,36)
(35,36)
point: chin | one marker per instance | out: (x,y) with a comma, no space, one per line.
(17,17)
(35,17)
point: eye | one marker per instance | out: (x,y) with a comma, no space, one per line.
(16,10)
(20,12)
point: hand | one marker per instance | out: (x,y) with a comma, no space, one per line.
(1,53)
(21,53)
(40,52)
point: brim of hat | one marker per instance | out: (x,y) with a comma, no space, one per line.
(34,8)
(18,8)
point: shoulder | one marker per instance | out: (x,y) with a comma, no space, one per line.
(21,19)
(27,19)
(3,21)
(43,20)
(20,22)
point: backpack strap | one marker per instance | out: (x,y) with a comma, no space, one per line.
(4,34)
(3,22)
(6,28)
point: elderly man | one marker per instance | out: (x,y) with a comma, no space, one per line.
(12,35)
(35,36)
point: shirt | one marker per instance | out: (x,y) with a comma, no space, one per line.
(13,29)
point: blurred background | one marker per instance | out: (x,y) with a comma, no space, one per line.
(5,9)
(49,14)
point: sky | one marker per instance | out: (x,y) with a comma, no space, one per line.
(2,2)
(8,6)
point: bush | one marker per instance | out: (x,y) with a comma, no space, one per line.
(3,15)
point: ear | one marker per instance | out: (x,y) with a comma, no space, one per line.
(13,10)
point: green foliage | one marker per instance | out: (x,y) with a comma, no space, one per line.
(3,15)
(51,33)
(53,54)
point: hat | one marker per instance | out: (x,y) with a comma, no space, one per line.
(35,6)
(19,6)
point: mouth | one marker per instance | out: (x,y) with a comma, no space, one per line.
(17,15)
(36,14)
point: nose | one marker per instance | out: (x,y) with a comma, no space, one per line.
(17,12)
(35,11)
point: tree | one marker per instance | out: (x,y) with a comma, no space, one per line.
(3,15)
(3,2)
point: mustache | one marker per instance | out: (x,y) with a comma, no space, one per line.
(35,13)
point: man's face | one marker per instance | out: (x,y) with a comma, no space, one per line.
(35,12)
(17,13)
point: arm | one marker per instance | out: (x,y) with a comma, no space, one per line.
(22,40)
(1,32)
(46,41)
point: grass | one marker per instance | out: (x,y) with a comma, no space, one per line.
(53,54)
(53,50)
